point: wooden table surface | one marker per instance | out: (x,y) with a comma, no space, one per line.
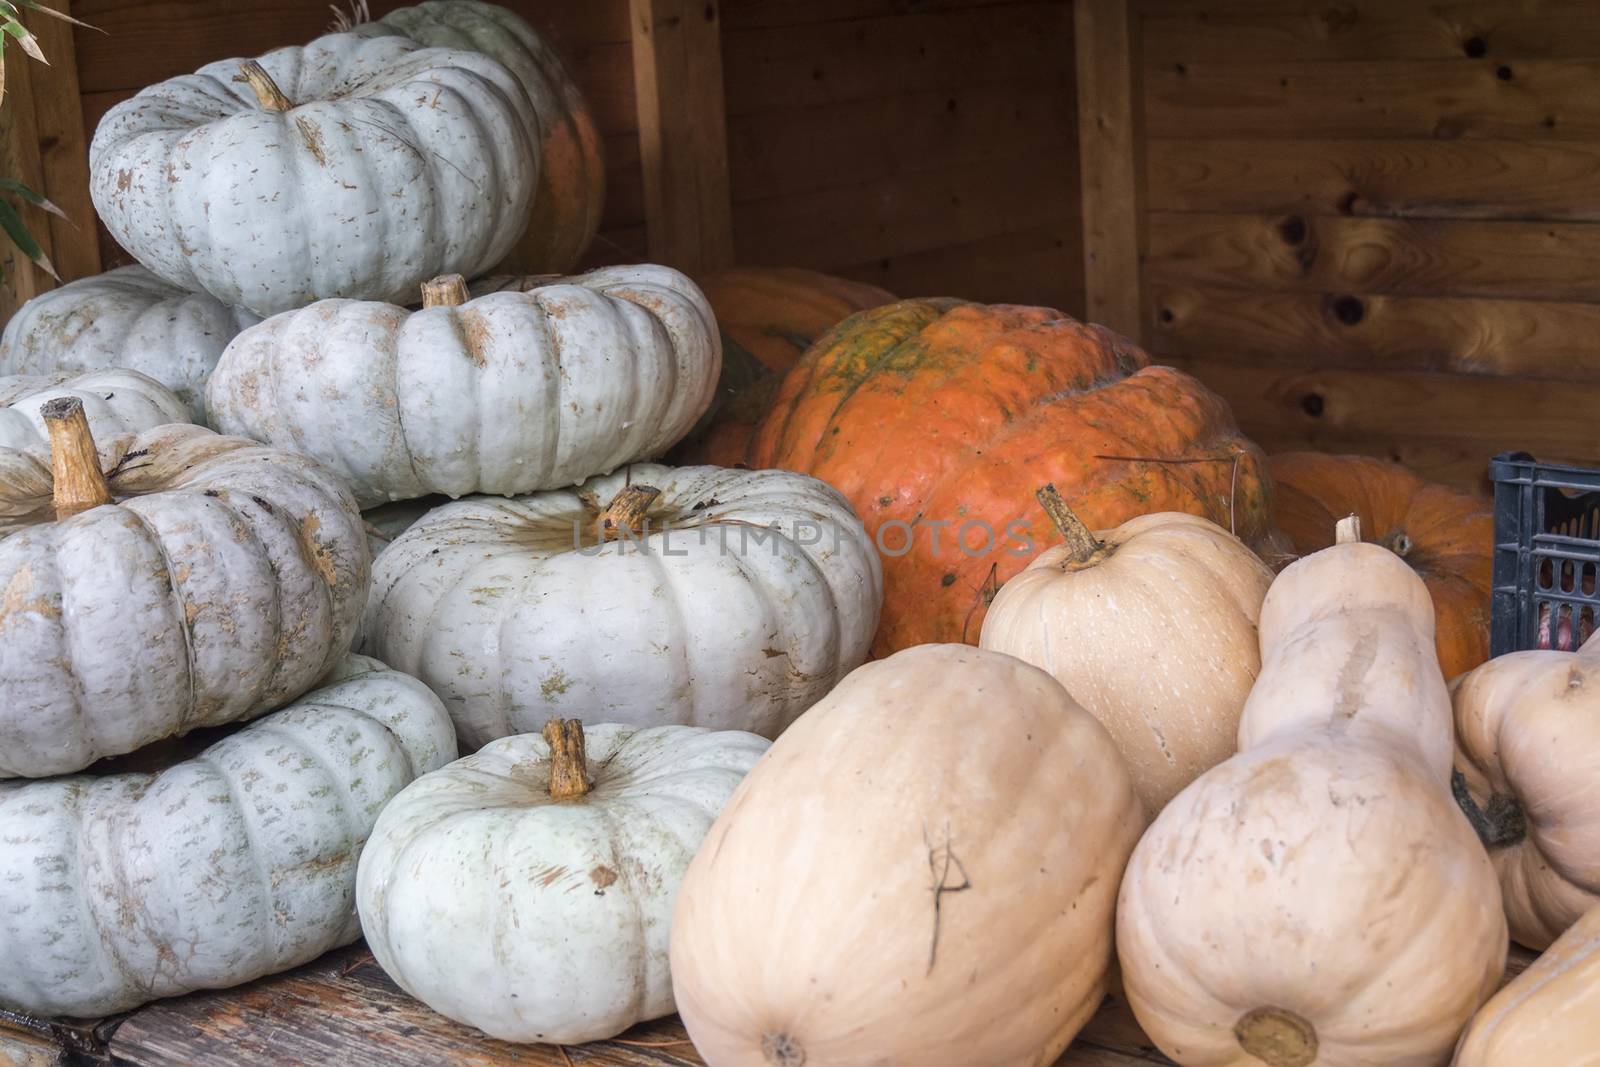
(343,1009)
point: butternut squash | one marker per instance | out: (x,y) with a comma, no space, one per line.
(1528,777)
(1318,898)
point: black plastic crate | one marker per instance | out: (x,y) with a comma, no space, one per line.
(1546,554)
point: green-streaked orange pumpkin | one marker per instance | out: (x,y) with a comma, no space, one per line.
(769,316)
(1447,536)
(939,419)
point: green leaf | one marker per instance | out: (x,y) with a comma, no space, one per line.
(17,230)
(37,200)
(29,43)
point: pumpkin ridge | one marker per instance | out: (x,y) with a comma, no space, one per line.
(181,607)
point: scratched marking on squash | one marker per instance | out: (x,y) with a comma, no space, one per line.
(941,861)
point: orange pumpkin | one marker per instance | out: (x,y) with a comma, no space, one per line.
(1444,534)
(769,316)
(939,418)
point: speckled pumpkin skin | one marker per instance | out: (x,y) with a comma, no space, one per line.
(240,862)
(769,316)
(572,174)
(226,579)
(941,411)
(126,318)
(1444,534)
(114,402)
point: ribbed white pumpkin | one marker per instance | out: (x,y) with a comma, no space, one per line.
(240,862)
(384,164)
(224,581)
(114,401)
(505,394)
(714,619)
(545,918)
(571,192)
(128,318)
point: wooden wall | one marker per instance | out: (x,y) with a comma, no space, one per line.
(1372,224)
(928,146)
(142,41)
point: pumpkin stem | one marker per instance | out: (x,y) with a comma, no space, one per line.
(1500,822)
(1348,530)
(1082,545)
(1277,1037)
(74,462)
(569,765)
(445,291)
(268,95)
(626,511)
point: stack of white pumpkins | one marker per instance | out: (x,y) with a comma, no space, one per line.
(614,640)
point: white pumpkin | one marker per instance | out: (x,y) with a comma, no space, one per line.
(504,394)
(571,192)
(128,318)
(240,862)
(528,891)
(354,166)
(114,401)
(752,594)
(223,580)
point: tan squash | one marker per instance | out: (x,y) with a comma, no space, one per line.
(1528,777)
(1318,898)
(921,871)
(1151,627)
(1549,1016)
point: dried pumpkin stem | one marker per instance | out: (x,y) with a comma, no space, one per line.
(74,463)
(1498,823)
(569,765)
(1082,545)
(268,95)
(445,291)
(1348,530)
(626,511)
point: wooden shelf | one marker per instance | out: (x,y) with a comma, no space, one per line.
(343,1008)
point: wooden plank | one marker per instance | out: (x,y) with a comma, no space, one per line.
(149,40)
(344,1009)
(1479,179)
(1109,145)
(683,133)
(20,280)
(1541,340)
(940,51)
(63,149)
(1558,261)
(1041,266)
(1302,30)
(844,144)
(760,14)
(900,215)
(1446,426)
(1537,99)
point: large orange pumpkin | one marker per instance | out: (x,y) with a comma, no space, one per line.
(1444,534)
(939,419)
(769,316)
